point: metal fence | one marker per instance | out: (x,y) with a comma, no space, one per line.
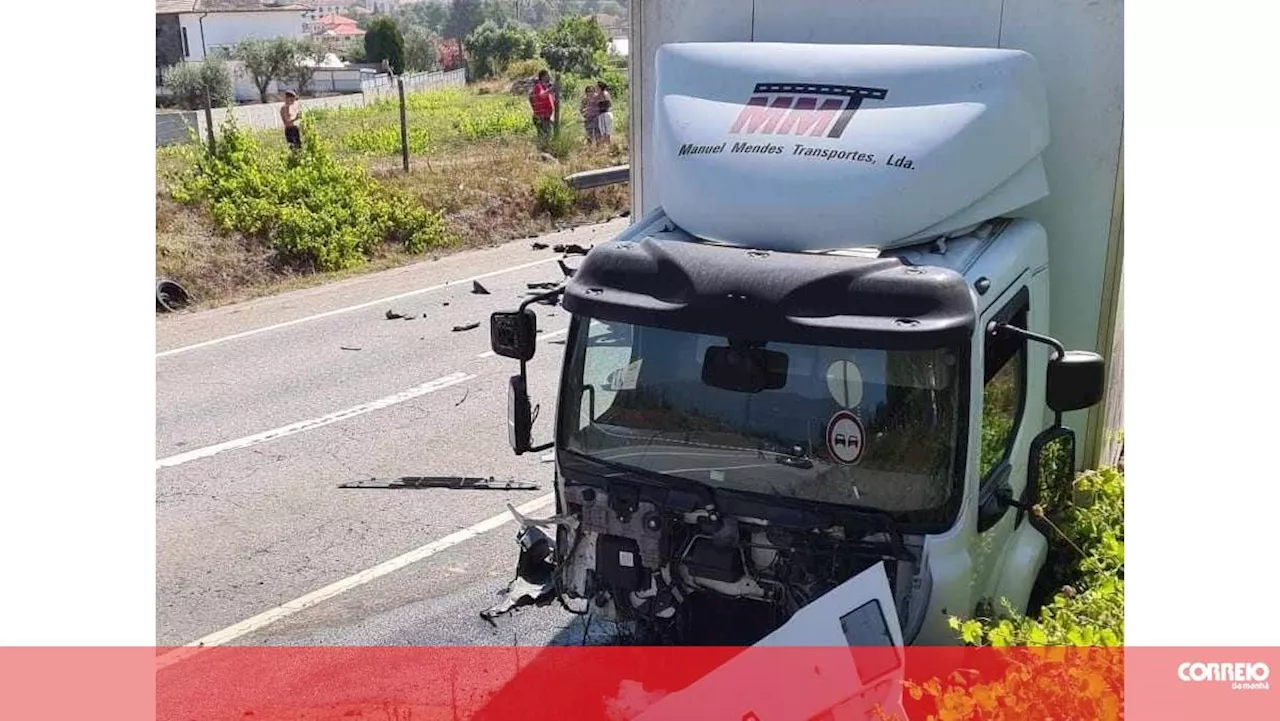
(174,127)
(384,86)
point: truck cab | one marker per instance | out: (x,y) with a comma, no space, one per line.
(826,355)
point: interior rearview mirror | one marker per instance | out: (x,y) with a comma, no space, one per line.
(514,334)
(519,416)
(745,370)
(1075,380)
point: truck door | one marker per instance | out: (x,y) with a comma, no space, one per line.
(1002,460)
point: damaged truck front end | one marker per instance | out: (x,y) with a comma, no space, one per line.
(731,447)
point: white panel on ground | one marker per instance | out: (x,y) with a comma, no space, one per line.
(777,678)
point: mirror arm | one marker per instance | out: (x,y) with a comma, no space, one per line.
(994,327)
(541,297)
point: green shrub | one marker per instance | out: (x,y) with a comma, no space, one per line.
(553,196)
(189,83)
(575,45)
(492,47)
(314,211)
(562,144)
(524,69)
(1086,682)
(1089,610)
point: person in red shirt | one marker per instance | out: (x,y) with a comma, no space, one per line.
(543,103)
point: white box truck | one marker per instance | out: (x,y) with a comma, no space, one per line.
(830,358)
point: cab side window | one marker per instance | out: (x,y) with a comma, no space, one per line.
(1004,389)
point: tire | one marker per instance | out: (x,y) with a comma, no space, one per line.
(170,296)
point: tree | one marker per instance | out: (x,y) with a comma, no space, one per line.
(306,55)
(420,49)
(449,54)
(265,61)
(430,15)
(491,48)
(353,51)
(383,41)
(464,17)
(575,45)
(191,82)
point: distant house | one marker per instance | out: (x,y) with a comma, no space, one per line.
(317,9)
(336,29)
(190,30)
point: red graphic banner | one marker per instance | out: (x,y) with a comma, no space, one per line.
(646,683)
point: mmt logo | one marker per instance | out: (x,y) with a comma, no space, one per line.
(815,110)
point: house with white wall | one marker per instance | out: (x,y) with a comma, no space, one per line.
(190,30)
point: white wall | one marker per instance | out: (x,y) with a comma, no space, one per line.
(225,29)
(1080,49)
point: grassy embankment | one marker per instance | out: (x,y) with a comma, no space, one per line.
(224,228)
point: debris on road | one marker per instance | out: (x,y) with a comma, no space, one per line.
(568,272)
(392,314)
(350,347)
(539,246)
(535,575)
(549,285)
(463,398)
(571,249)
(469,326)
(454,482)
(478,289)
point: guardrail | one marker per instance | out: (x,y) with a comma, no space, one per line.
(599,178)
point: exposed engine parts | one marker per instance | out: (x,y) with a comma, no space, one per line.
(676,571)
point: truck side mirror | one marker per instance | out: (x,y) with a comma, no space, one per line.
(514,334)
(1051,467)
(1075,380)
(519,416)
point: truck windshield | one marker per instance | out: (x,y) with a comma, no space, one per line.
(860,427)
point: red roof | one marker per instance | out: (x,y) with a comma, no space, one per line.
(336,21)
(344,31)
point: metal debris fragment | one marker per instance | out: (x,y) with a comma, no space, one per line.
(392,314)
(469,326)
(454,482)
(350,347)
(548,285)
(478,289)
(535,574)
(539,246)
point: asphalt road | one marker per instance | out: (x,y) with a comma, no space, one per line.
(264,408)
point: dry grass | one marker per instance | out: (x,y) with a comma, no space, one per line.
(483,186)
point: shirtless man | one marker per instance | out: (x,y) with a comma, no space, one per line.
(289,115)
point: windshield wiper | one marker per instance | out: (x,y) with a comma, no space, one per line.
(642,475)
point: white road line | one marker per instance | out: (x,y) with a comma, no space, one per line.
(271,435)
(562,331)
(269,617)
(326,314)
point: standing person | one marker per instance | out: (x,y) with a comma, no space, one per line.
(290,113)
(605,102)
(542,102)
(591,113)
